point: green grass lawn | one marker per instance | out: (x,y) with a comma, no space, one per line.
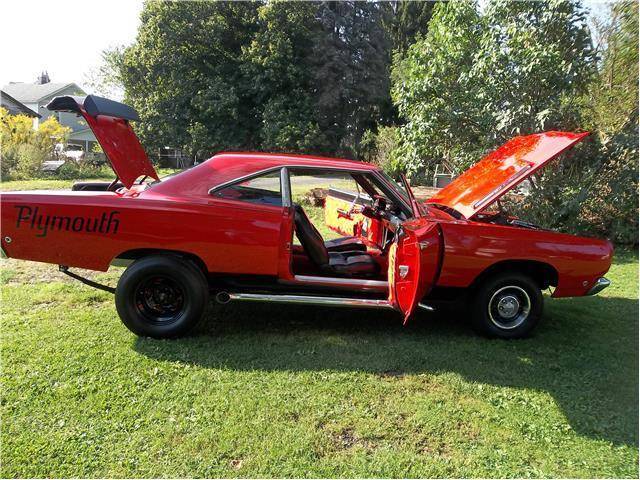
(53,183)
(279,391)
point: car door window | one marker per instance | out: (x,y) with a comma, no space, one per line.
(265,190)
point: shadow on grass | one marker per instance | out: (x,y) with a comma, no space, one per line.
(584,353)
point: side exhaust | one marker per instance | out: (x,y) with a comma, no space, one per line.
(225,297)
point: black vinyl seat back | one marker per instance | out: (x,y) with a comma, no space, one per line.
(310,238)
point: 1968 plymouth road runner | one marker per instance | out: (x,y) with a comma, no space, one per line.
(240,227)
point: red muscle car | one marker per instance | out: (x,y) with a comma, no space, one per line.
(237,227)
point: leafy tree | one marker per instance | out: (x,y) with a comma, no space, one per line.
(351,72)
(279,64)
(437,93)
(183,74)
(408,21)
(536,59)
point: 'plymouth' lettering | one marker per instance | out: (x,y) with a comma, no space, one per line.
(105,224)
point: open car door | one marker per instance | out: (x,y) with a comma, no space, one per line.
(414,264)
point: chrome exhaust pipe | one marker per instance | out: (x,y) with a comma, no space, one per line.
(223,298)
(304,300)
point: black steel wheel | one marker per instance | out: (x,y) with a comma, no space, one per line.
(507,305)
(162,296)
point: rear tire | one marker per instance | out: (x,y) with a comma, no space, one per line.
(162,296)
(507,305)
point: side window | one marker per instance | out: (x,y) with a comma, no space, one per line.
(321,194)
(264,190)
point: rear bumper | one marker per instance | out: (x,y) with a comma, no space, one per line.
(600,285)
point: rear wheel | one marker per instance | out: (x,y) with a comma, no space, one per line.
(507,305)
(161,296)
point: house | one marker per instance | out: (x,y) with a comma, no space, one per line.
(14,107)
(35,96)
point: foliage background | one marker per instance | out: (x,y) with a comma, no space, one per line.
(408,85)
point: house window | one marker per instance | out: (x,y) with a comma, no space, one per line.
(263,190)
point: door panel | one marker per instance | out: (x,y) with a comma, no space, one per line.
(414,264)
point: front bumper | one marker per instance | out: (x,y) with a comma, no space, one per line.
(600,285)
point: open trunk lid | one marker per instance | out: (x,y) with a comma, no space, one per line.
(503,169)
(109,122)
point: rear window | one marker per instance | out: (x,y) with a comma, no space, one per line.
(264,190)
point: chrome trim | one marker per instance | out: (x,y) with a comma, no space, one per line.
(367,285)
(249,176)
(426,307)
(310,300)
(600,285)
(508,322)
(285,187)
(403,270)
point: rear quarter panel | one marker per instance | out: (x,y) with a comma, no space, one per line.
(229,237)
(471,248)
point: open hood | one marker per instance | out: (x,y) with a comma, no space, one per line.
(109,122)
(503,169)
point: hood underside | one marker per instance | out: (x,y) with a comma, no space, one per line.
(503,169)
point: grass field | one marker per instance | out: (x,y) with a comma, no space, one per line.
(265,391)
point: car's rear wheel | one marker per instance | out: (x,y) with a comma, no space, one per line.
(507,305)
(162,296)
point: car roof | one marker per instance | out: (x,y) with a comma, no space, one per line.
(229,166)
(287,159)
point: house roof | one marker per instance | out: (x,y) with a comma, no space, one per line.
(14,106)
(32,93)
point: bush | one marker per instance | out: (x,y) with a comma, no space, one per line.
(379,148)
(71,170)
(29,160)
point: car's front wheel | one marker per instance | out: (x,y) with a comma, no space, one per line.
(161,296)
(507,305)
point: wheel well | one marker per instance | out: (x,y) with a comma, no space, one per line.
(145,252)
(543,274)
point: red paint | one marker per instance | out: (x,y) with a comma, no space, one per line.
(121,146)
(502,169)
(414,263)
(234,237)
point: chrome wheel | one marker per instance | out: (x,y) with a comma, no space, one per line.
(509,307)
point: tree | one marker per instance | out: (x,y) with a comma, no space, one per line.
(279,64)
(437,94)
(611,110)
(475,80)
(351,72)
(409,21)
(183,74)
(537,60)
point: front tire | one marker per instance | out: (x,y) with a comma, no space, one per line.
(162,296)
(507,305)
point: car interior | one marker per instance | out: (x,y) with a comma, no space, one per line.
(357,218)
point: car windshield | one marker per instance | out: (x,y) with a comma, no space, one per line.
(399,188)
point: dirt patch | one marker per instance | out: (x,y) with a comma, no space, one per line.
(423,193)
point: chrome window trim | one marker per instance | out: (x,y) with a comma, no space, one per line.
(285,187)
(244,178)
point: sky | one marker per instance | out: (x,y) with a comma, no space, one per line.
(66,37)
